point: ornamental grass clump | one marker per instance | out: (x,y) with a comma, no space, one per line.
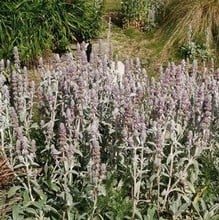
(200,16)
(130,148)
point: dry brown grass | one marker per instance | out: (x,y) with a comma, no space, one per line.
(6,173)
(201,15)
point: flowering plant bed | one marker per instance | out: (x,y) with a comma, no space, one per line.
(93,142)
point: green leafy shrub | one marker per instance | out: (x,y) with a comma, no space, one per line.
(39,26)
(194,50)
(141,13)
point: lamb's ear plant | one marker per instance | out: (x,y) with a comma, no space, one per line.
(192,49)
(110,144)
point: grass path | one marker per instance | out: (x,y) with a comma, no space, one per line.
(150,47)
(131,42)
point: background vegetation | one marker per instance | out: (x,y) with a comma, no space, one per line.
(169,35)
(199,16)
(143,14)
(38,26)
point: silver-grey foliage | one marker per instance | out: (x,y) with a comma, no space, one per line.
(148,135)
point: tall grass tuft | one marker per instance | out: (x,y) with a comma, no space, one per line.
(200,15)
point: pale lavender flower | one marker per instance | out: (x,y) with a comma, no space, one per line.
(14,118)
(62,137)
(96,167)
(14,81)
(16,59)
(207,111)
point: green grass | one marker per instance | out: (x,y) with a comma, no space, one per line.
(111,5)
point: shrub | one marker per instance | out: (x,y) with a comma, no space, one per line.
(195,50)
(142,13)
(39,26)
(110,144)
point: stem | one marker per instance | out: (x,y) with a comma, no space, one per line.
(171,188)
(10,136)
(53,117)
(2,143)
(30,115)
(28,180)
(170,177)
(158,186)
(95,202)
(135,190)
(141,168)
(178,180)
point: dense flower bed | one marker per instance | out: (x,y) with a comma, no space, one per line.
(83,145)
